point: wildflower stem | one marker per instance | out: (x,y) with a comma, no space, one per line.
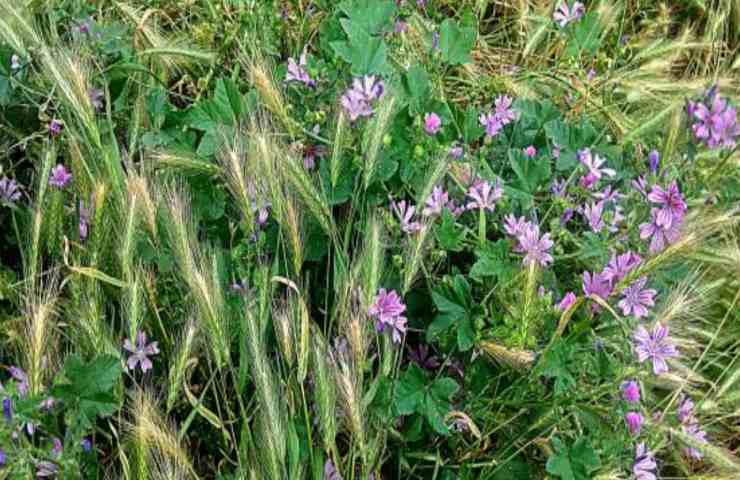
(720,166)
(481,227)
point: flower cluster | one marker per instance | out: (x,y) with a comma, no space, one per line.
(714,121)
(359,99)
(594,168)
(388,313)
(501,116)
(601,284)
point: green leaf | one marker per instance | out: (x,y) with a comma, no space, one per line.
(585,36)
(472,129)
(455,42)
(555,365)
(531,172)
(494,260)
(371,16)
(437,403)
(410,390)
(416,85)
(89,387)
(449,235)
(575,462)
(364,52)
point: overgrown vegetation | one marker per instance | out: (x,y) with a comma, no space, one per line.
(364,239)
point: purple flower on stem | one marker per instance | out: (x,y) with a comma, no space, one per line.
(9,191)
(59,177)
(7,410)
(432,123)
(358,100)
(636,299)
(685,409)
(456,152)
(515,226)
(535,246)
(673,207)
(405,213)
(660,237)
(57,447)
(97,97)
(84,221)
(644,467)
(492,124)
(634,422)
(654,161)
(330,471)
(595,170)
(484,195)
(503,111)
(297,71)
(436,202)
(654,346)
(140,352)
(640,184)
(566,217)
(388,310)
(559,187)
(593,214)
(530,151)
(596,284)
(400,26)
(690,426)
(631,392)
(86,445)
(568,300)
(3,457)
(620,265)
(564,14)
(55,128)
(714,121)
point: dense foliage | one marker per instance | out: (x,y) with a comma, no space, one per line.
(368,239)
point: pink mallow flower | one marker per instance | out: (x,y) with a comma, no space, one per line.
(140,352)
(636,299)
(387,311)
(568,300)
(660,236)
(59,177)
(644,467)
(297,71)
(405,213)
(654,346)
(564,14)
(620,265)
(432,123)
(672,205)
(535,246)
(634,422)
(483,195)
(436,202)
(530,151)
(594,166)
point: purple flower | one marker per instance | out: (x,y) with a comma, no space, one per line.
(21,380)
(644,467)
(3,457)
(690,426)
(86,445)
(297,72)
(310,154)
(659,236)
(423,357)
(636,299)
(714,121)
(432,123)
(55,128)
(84,221)
(593,213)
(405,213)
(387,311)
(358,100)
(436,202)
(564,14)
(631,392)
(15,63)
(694,430)
(456,152)
(503,111)
(492,124)
(330,471)
(654,346)
(640,184)
(7,410)
(483,195)
(673,206)
(57,447)
(566,217)
(9,191)
(596,284)
(140,352)
(568,300)
(654,161)
(387,305)
(59,177)
(530,151)
(46,469)
(515,226)
(634,422)
(535,246)
(595,171)
(559,187)
(400,26)
(620,265)
(590,75)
